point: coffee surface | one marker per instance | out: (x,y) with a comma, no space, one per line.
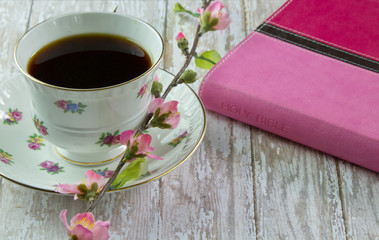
(89,61)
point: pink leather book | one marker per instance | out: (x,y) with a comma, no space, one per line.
(309,73)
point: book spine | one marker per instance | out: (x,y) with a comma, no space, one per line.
(315,133)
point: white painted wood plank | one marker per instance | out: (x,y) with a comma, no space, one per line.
(297,191)
(360,198)
(12,26)
(296,188)
(210,196)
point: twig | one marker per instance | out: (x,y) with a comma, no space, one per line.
(186,63)
(144,124)
(107,185)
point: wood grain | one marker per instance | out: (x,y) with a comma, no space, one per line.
(242,182)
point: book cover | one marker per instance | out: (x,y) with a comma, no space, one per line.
(309,73)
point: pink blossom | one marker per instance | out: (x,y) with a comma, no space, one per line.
(34,145)
(17,115)
(142,142)
(84,226)
(92,178)
(47,164)
(215,10)
(62,104)
(169,108)
(180,36)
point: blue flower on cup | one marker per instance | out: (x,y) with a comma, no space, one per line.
(73,107)
(69,106)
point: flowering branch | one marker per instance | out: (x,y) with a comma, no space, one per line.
(147,119)
(161,114)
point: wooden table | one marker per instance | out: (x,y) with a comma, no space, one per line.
(241,183)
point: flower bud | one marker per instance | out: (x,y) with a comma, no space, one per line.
(182,43)
(156,88)
(188,76)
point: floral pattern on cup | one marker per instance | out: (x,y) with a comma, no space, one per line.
(104,172)
(51,167)
(144,89)
(109,139)
(148,173)
(35,142)
(13,117)
(5,157)
(39,125)
(178,139)
(69,106)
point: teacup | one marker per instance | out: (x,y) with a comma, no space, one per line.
(84,124)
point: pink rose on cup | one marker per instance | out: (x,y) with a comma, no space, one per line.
(40,126)
(47,164)
(5,157)
(35,142)
(109,139)
(5,160)
(42,130)
(62,104)
(17,115)
(51,167)
(34,145)
(13,117)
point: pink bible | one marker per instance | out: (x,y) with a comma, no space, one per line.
(309,73)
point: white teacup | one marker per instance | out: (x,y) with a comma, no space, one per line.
(91,136)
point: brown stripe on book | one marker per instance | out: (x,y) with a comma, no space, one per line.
(319,47)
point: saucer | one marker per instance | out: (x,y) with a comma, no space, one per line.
(27,159)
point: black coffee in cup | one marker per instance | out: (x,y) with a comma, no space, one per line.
(88,61)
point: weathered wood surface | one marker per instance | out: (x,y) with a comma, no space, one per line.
(242,182)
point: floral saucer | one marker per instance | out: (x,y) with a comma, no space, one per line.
(27,159)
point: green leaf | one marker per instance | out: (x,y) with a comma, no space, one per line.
(207,59)
(179,8)
(132,171)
